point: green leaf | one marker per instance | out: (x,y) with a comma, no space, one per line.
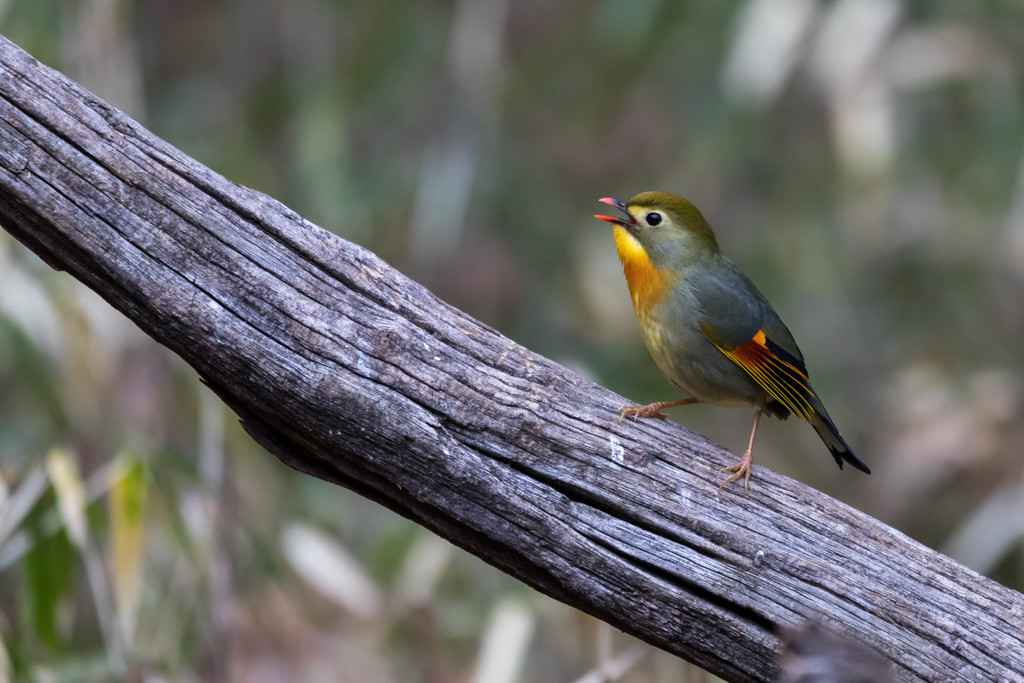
(127,504)
(48,568)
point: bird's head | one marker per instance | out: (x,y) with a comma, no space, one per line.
(668,230)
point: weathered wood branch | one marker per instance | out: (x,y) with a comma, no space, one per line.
(347,370)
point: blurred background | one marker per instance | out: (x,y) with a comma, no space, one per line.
(862,160)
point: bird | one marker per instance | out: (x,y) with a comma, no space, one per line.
(709,329)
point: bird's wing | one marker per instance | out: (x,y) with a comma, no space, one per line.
(740,322)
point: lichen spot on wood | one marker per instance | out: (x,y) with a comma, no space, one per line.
(617,451)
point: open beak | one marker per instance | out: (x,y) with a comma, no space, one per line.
(626,222)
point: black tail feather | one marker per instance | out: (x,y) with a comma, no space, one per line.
(835,442)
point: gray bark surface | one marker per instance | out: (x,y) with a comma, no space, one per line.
(349,371)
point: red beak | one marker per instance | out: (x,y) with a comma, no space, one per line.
(621,206)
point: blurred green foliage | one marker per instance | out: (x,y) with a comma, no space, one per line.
(862,160)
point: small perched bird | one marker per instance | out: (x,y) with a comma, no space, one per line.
(709,329)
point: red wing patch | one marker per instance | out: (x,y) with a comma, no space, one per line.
(780,374)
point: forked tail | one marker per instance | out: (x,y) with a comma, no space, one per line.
(837,446)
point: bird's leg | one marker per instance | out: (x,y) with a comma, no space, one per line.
(653,409)
(742,468)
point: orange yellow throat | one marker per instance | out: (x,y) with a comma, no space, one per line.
(647,284)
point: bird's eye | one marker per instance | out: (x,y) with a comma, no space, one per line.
(653,218)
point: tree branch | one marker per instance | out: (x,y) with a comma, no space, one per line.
(348,371)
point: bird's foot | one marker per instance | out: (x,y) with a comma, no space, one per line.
(649,410)
(652,409)
(740,469)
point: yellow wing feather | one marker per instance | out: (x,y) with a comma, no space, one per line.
(783,381)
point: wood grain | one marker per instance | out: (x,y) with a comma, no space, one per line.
(347,370)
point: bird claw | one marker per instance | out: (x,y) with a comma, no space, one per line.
(740,469)
(636,412)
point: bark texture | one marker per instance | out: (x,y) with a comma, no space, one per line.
(347,370)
